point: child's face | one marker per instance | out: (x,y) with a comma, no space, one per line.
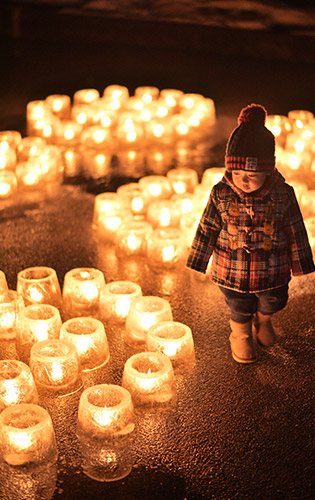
(248,181)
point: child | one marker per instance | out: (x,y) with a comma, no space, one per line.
(253,226)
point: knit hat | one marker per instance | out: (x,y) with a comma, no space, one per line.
(251,145)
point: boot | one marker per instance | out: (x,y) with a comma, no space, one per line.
(242,346)
(264,330)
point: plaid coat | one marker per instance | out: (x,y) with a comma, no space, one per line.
(257,240)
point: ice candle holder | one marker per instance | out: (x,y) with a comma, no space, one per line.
(3,287)
(174,339)
(16,384)
(39,285)
(117,298)
(37,322)
(105,411)
(182,179)
(27,435)
(149,377)
(89,338)
(11,306)
(166,249)
(56,367)
(131,238)
(81,292)
(143,313)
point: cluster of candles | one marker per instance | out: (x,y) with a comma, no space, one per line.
(60,334)
(67,136)
(155,217)
(295,152)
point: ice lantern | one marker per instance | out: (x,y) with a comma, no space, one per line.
(11,305)
(89,337)
(56,367)
(166,249)
(16,384)
(37,322)
(81,292)
(27,435)
(149,377)
(105,411)
(173,339)
(116,300)
(39,285)
(143,313)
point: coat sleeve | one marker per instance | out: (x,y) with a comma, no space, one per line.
(300,253)
(206,236)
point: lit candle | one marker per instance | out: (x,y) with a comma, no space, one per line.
(39,285)
(300,117)
(143,313)
(30,147)
(129,128)
(81,292)
(116,299)
(10,138)
(94,163)
(109,223)
(56,367)
(149,377)
(107,202)
(27,435)
(8,183)
(116,92)
(173,339)
(183,179)
(85,96)
(11,305)
(59,105)
(16,384)
(37,322)
(67,133)
(89,338)
(7,157)
(105,410)
(29,174)
(166,249)
(171,97)
(155,187)
(132,237)
(163,213)
(147,94)
(96,137)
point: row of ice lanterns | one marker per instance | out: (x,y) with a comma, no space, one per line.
(53,353)
(61,135)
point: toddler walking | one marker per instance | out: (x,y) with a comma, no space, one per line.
(253,226)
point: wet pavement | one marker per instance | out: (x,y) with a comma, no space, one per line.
(236,431)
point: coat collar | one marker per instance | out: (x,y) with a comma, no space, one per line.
(262,192)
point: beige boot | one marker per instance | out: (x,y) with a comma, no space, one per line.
(242,346)
(264,330)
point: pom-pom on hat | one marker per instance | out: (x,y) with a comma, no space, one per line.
(251,145)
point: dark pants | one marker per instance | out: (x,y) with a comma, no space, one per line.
(244,305)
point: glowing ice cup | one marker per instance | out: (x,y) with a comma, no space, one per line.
(37,322)
(143,313)
(89,338)
(16,384)
(116,300)
(105,411)
(173,339)
(149,377)
(11,306)
(39,285)
(27,435)
(56,367)
(81,292)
